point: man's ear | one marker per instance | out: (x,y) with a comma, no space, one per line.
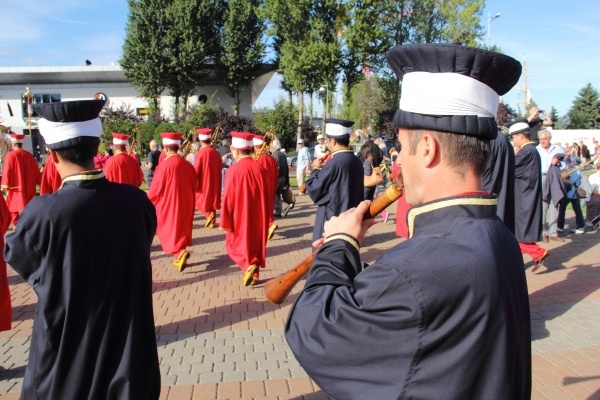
(429,149)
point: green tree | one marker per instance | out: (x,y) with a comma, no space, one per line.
(144,60)
(242,48)
(191,43)
(585,111)
(505,114)
(282,117)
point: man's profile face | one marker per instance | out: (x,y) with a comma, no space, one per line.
(409,164)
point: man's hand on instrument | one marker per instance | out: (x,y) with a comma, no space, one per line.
(351,222)
(318,243)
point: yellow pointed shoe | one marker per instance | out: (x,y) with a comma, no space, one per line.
(249,275)
(272,230)
(181,262)
(210,220)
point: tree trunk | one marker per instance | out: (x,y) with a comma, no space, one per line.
(300,112)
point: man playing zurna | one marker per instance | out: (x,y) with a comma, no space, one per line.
(208,166)
(122,168)
(444,314)
(93,331)
(20,176)
(173,192)
(245,213)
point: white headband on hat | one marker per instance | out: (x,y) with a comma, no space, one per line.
(54,132)
(170,142)
(203,137)
(518,128)
(120,141)
(336,130)
(447,93)
(240,143)
(257,141)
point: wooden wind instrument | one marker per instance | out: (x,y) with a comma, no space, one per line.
(277,290)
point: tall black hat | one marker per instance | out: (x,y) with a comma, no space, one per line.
(70,123)
(451,88)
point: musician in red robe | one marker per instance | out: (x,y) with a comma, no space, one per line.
(51,180)
(122,168)
(5,306)
(208,166)
(244,210)
(264,158)
(20,176)
(173,192)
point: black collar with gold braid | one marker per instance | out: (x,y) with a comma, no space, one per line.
(473,205)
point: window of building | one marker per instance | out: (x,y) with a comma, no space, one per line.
(37,98)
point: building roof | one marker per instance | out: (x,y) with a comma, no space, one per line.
(85,74)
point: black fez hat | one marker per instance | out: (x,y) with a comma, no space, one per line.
(518,126)
(444,98)
(70,123)
(335,128)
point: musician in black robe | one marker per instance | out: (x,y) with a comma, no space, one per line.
(499,178)
(338,184)
(528,194)
(85,250)
(444,314)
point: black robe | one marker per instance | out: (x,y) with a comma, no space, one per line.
(499,178)
(85,250)
(335,188)
(442,315)
(528,195)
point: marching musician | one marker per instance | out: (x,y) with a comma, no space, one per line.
(244,213)
(283,177)
(93,331)
(51,180)
(208,166)
(444,314)
(528,193)
(337,185)
(20,176)
(122,168)
(261,153)
(173,192)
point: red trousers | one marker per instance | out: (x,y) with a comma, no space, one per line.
(533,249)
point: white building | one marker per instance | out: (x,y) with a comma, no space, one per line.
(49,84)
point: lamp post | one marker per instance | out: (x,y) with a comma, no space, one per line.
(321,90)
(490,19)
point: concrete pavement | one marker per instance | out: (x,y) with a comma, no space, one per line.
(219,340)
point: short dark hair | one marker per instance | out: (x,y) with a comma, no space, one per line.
(78,155)
(244,152)
(120,147)
(174,148)
(343,140)
(461,151)
(365,151)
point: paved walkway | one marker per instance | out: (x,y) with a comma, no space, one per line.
(220,340)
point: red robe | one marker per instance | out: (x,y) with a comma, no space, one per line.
(135,157)
(122,168)
(51,180)
(5,306)
(173,192)
(20,176)
(161,158)
(100,160)
(270,165)
(402,208)
(244,213)
(208,165)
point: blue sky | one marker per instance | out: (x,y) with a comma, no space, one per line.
(560,40)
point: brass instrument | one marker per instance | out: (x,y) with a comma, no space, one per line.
(268,138)
(186,145)
(566,174)
(215,135)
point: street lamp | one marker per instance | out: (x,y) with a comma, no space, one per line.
(490,19)
(321,90)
